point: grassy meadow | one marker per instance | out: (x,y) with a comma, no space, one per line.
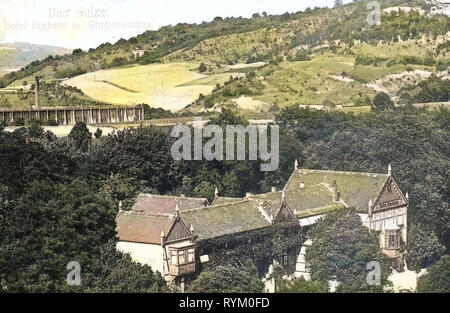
(168,86)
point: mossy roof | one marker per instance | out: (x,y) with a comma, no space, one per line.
(308,193)
(308,199)
(150,204)
(307,189)
(219,220)
(225,200)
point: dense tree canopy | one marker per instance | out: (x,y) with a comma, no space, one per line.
(438,278)
(382,101)
(301,286)
(227,279)
(342,248)
(424,248)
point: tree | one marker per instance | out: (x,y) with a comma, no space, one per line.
(98,133)
(227,279)
(36,130)
(382,102)
(437,279)
(81,136)
(302,286)
(116,272)
(342,248)
(59,223)
(434,89)
(424,248)
(202,68)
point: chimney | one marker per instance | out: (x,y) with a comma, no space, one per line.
(296,164)
(274,189)
(36,91)
(120,206)
(192,230)
(390,170)
(216,193)
(407,196)
(283,196)
(248,194)
(370,207)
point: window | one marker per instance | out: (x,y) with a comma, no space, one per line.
(191,255)
(174,257)
(181,258)
(391,240)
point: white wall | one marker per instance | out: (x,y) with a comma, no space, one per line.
(146,254)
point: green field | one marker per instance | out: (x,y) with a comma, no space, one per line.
(168,86)
(311,82)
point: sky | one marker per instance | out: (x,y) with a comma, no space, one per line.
(86,24)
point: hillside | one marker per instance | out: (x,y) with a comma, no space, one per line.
(15,55)
(170,86)
(324,57)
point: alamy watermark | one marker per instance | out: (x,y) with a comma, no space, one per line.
(74,276)
(374,275)
(214,148)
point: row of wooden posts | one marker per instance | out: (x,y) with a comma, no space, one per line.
(69,116)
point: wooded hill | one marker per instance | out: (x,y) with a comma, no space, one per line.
(320,56)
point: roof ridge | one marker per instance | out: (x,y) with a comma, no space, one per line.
(216,206)
(171,196)
(341,172)
(290,177)
(229,197)
(161,215)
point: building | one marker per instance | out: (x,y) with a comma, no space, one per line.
(165,231)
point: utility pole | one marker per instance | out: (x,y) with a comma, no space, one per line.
(36,91)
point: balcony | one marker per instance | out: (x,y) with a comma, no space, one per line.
(184,269)
(182,259)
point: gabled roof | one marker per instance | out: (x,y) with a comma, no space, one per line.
(219,220)
(390,196)
(149,204)
(285,214)
(307,189)
(141,228)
